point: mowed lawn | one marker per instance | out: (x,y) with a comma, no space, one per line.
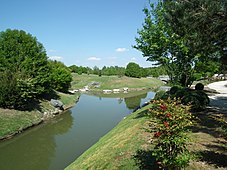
(114,82)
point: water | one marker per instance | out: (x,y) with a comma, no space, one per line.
(57,143)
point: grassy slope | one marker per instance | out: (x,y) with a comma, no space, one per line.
(127,147)
(13,121)
(114,82)
(116,149)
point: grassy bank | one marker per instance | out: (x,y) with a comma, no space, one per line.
(114,82)
(15,121)
(116,149)
(127,146)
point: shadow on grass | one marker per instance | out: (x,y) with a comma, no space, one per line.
(145,161)
(214,158)
(218,147)
(34,104)
(207,123)
(141,114)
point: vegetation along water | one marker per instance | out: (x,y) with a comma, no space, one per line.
(58,142)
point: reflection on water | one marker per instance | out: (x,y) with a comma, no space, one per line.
(56,144)
(134,102)
(36,148)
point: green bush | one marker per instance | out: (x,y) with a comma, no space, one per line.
(198,99)
(199,86)
(161,95)
(169,123)
(175,89)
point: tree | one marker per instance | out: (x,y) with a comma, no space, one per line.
(203,23)
(22,54)
(96,70)
(60,76)
(24,61)
(160,44)
(133,70)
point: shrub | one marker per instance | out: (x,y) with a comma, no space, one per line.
(199,86)
(161,95)
(169,122)
(197,98)
(175,89)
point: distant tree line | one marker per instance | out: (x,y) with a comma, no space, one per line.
(131,70)
(26,74)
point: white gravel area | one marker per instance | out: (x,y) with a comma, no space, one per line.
(219,86)
(219,100)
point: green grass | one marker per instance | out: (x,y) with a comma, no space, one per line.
(15,121)
(117,149)
(127,146)
(114,82)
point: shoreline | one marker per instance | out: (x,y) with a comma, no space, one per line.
(46,115)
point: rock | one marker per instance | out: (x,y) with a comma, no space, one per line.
(116,90)
(125,89)
(107,91)
(57,103)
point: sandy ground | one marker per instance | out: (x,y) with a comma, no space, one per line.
(219,100)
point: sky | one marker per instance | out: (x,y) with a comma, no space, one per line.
(80,32)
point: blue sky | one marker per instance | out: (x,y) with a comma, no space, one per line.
(81,32)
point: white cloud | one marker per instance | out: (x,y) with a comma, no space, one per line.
(94,59)
(120,50)
(133,59)
(58,58)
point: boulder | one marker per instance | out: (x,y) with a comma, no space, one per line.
(57,103)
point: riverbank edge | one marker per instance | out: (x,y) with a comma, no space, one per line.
(123,141)
(51,114)
(120,149)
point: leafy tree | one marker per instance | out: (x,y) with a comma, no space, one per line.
(203,23)
(133,70)
(160,44)
(21,53)
(60,76)
(206,69)
(24,67)
(96,70)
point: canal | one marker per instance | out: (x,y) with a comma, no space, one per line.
(55,144)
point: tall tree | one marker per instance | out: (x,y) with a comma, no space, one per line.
(203,23)
(22,54)
(160,44)
(23,64)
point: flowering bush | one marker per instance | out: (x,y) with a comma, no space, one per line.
(170,121)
